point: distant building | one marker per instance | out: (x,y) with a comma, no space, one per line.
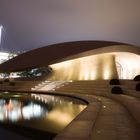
(5,56)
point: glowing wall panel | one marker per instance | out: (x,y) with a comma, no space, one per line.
(121,65)
(86,68)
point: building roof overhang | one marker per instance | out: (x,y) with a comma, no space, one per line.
(61,52)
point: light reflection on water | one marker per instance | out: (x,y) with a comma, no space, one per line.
(15,110)
(44,112)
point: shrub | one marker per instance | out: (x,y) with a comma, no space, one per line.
(114,82)
(12,84)
(137,78)
(116,90)
(138,87)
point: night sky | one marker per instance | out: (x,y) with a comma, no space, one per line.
(30,24)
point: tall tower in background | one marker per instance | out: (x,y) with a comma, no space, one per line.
(0,33)
(1,29)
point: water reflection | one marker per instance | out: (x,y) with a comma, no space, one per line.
(44,112)
(15,110)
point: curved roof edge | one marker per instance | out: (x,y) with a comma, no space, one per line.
(52,54)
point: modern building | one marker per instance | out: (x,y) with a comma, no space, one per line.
(90,57)
(81,60)
(5,56)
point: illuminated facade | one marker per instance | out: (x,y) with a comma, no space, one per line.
(120,65)
(81,60)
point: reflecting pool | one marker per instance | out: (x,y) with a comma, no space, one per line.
(43,112)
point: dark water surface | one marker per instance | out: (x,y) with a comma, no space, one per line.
(42,112)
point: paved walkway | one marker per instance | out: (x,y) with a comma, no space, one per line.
(115,117)
(115,123)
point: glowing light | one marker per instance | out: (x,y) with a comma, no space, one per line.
(15,115)
(104,106)
(0,33)
(61,112)
(92,75)
(86,75)
(33,110)
(101,66)
(84,68)
(60,117)
(3,56)
(106,74)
